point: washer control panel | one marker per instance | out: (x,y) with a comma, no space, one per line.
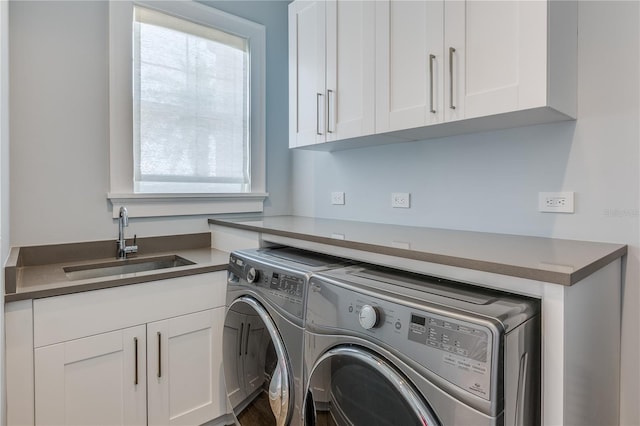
(283,288)
(450,345)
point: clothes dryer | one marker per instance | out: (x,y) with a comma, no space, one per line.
(385,347)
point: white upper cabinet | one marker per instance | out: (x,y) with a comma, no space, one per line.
(440,67)
(409,64)
(331,78)
(307,73)
(499,54)
(350,64)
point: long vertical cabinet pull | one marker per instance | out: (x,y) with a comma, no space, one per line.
(331,108)
(318,96)
(135,350)
(431,59)
(246,340)
(451,52)
(159,354)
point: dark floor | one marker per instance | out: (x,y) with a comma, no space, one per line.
(258,413)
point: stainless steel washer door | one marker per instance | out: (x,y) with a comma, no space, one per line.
(256,367)
(351,386)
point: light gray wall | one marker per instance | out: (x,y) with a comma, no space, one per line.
(490,181)
(4,180)
(60,119)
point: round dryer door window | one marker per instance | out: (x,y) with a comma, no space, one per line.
(353,386)
(256,371)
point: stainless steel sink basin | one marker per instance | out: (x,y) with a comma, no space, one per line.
(120,267)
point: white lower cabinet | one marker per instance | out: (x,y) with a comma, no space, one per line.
(184,381)
(97,380)
(144,354)
(162,373)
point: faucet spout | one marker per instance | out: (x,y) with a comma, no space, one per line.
(123,222)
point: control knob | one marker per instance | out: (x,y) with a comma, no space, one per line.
(252,275)
(368,317)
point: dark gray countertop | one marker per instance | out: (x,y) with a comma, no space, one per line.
(37,271)
(551,260)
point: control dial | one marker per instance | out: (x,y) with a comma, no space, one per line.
(252,275)
(368,317)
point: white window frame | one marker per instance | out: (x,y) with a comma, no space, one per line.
(121,192)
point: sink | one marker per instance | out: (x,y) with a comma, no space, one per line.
(128,266)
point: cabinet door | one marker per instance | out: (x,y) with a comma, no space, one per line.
(254,353)
(409,64)
(307,100)
(184,366)
(350,95)
(232,347)
(96,380)
(500,59)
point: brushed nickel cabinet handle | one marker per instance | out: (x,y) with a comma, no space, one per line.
(159,355)
(451,52)
(135,343)
(330,96)
(318,96)
(431,59)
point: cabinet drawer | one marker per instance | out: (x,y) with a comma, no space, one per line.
(63,318)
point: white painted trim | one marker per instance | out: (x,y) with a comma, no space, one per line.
(121,115)
(20,396)
(156,205)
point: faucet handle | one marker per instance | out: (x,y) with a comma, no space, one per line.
(124,216)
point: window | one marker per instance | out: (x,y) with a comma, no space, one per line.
(186,110)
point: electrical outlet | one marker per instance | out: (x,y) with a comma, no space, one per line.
(337,198)
(401,200)
(556,202)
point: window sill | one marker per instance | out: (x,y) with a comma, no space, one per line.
(157,205)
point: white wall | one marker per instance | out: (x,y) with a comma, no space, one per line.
(4,180)
(489,181)
(59,122)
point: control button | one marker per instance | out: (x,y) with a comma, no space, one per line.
(479,369)
(350,308)
(252,275)
(368,317)
(398,325)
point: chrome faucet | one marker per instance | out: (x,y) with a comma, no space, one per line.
(123,248)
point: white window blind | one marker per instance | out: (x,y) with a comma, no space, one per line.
(191,107)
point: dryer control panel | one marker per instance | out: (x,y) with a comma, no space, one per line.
(455,347)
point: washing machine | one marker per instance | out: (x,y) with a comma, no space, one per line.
(263,332)
(386,347)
